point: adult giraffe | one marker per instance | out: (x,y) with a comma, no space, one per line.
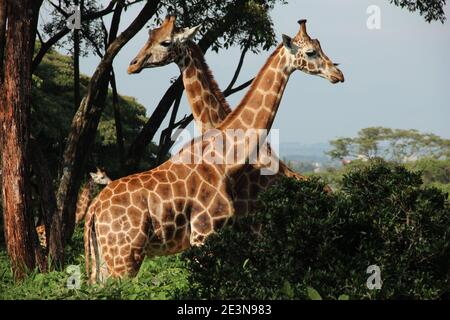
(167,44)
(179,203)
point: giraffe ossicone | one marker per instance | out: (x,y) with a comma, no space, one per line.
(174,206)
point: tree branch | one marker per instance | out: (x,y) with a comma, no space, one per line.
(239,66)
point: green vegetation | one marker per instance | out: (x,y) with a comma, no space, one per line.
(313,245)
(381,216)
(53,110)
(159,278)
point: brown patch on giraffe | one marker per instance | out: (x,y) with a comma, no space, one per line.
(237,123)
(164,190)
(105,205)
(206,193)
(121,199)
(160,176)
(151,184)
(102,229)
(116,211)
(197,107)
(168,214)
(192,184)
(120,188)
(116,226)
(268,80)
(179,204)
(135,216)
(182,171)
(202,223)
(121,237)
(134,184)
(270,99)
(196,88)
(106,193)
(189,72)
(204,117)
(214,116)
(179,189)
(248,117)
(219,206)
(125,250)
(126,226)
(140,240)
(138,199)
(282,62)
(256,102)
(310,66)
(111,240)
(171,176)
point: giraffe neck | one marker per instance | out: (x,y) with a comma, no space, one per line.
(259,106)
(209,107)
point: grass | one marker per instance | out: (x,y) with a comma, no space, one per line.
(159,278)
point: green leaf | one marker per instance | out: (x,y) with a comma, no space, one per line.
(343,297)
(313,294)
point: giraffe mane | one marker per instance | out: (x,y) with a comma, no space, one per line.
(214,87)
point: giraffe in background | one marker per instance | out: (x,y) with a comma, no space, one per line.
(180,203)
(85,197)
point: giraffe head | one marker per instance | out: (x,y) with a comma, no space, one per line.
(307,56)
(163,46)
(100,177)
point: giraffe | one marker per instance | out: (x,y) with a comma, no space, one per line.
(84,199)
(208,104)
(87,193)
(180,203)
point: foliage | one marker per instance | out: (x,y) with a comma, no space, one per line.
(92,32)
(392,144)
(249,19)
(52,112)
(159,278)
(383,216)
(430,9)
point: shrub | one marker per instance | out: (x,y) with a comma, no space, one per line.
(382,216)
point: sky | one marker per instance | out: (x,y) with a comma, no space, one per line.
(397,76)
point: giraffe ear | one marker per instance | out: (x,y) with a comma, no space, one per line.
(287,42)
(186,34)
(93,175)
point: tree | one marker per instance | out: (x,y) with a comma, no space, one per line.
(224,24)
(85,122)
(392,144)
(430,9)
(20,235)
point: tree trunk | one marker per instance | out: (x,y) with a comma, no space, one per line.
(118,122)
(48,204)
(20,235)
(84,125)
(76,69)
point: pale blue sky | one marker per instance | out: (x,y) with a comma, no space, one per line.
(396,77)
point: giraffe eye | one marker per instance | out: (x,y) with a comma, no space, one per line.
(165,43)
(311,53)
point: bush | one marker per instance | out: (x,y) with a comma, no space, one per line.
(382,216)
(158,278)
